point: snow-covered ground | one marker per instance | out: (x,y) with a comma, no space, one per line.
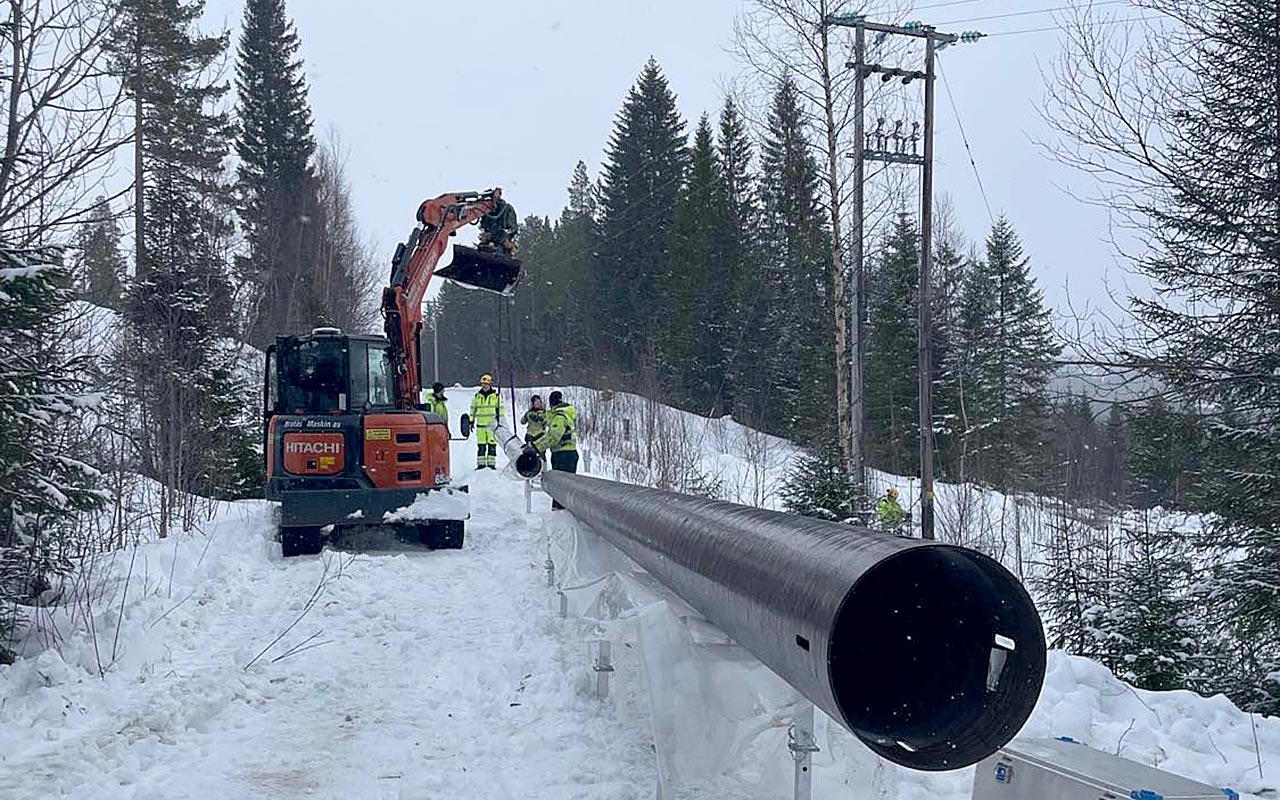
(417,674)
(450,674)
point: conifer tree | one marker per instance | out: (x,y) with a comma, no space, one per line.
(274,179)
(42,484)
(1153,627)
(1075,583)
(1006,358)
(577,234)
(948,280)
(794,323)
(696,303)
(1116,461)
(645,163)
(892,389)
(739,268)
(1203,175)
(1166,454)
(178,311)
(818,486)
(535,309)
(733,148)
(99,265)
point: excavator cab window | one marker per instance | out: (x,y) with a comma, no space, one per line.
(313,376)
(371,377)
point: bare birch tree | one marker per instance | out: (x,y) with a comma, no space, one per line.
(777,38)
(61,112)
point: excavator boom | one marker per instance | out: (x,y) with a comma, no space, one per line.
(415,262)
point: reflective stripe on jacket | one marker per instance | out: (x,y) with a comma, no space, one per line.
(562,430)
(485,408)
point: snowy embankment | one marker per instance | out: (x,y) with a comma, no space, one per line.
(417,674)
(207,666)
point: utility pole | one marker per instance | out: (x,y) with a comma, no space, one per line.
(898,147)
(859,346)
(925,331)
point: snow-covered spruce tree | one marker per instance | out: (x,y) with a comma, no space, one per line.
(188,430)
(694,336)
(274,180)
(42,390)
(949,266)
(797,326)
(643,170)
(819,486)
(1007,350)
(576,234)
(1202,182)
(892,388)
(740,266)
(1152,628)
(99,266)
(1075,583)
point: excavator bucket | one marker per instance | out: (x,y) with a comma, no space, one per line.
(482,269)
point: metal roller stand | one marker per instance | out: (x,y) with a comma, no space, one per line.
(602,668)
(802,745)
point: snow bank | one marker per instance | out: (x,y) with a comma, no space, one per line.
(443,503)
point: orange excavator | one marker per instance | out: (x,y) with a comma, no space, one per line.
(349,449)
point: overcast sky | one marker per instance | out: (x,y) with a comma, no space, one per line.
(431,97)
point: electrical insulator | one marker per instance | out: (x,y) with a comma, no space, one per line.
(969,37)
(914,25)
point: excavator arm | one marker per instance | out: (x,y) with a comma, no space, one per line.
(413,265)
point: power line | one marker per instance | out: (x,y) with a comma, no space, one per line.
(965,138)
(940,5)
(1060,28)
(1031,12)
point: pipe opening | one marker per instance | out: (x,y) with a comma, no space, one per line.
(528,465)
(925,659)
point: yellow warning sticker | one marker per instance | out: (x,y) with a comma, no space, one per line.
(378,435)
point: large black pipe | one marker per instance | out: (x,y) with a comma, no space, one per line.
(931,654)
(526,461)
